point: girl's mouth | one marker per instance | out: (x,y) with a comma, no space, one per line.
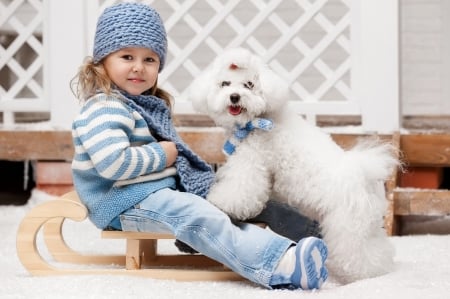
(135,80)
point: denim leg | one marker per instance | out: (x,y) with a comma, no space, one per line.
(247,249)
(283,220)
(287,221)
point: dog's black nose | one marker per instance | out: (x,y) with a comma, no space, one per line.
(234,98)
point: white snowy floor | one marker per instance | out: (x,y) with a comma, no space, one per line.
(422,271)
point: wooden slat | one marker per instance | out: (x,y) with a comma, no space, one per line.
(348,140)
(57,145)
(36,145)
(206,143)
(421,202)
(182,260)
(116,234)
(426,149)
(178,274)
(390,219)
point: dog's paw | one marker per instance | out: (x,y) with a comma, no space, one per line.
(234,204)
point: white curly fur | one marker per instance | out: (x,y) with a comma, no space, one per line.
(297,163)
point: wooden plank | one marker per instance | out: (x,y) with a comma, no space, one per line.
(207,143)
(390,219)
(426,149)
(421,202)
(347,140)
(57,145)
(182,260)
(36,145)
(118,234)
(188,274)
(134,255)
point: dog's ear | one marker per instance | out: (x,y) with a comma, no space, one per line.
(274,88)
(199,89)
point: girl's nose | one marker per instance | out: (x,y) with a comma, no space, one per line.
(137,67)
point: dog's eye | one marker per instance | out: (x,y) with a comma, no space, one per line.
(249,85)
(225,83)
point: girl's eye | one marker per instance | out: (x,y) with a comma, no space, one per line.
(127,57)
(150,59)
(225,83)
(249,85)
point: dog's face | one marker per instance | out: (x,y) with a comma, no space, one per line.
(237,88)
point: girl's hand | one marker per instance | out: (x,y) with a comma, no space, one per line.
(171,152)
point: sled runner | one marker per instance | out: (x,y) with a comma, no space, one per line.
(141,257)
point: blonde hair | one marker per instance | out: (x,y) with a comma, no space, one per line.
(92,78)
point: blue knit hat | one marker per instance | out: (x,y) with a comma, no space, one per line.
(130,25)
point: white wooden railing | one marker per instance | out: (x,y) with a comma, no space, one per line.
(339,56)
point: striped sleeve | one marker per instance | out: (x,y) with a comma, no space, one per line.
(102,135)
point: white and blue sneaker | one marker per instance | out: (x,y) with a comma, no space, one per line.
(310,271)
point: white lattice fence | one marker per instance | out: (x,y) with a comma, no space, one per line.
(311,43)
(307,42)
(21,57)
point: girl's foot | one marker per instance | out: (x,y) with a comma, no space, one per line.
(310,271)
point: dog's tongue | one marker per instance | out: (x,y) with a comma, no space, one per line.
(234,110)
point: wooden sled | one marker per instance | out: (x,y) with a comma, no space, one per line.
(140,259)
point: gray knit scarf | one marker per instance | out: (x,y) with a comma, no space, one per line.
(195,175)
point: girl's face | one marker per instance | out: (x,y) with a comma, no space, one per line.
(133,70)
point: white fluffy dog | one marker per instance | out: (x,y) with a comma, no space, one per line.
(274,153)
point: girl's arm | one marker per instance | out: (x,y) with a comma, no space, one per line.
(102,135)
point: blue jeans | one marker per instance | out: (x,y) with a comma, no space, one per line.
(247,249)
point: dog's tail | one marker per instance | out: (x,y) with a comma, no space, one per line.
(376,159)
(360,176)
(359,245)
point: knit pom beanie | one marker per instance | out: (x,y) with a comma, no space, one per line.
(130,24)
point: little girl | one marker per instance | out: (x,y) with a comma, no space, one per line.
(134,173)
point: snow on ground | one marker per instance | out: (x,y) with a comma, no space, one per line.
(422,270)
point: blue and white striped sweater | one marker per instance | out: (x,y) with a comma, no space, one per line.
(112,142)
